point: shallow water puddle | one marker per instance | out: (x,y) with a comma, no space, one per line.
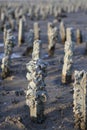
(14,55)
(45,56)
(1,44)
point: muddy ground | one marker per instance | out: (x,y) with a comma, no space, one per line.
(14,114)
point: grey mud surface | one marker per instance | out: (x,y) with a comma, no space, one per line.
(14,114)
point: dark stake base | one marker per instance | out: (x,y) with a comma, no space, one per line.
(66,79)
(80,125)
(21,42)
(85,53)
(63,40)
(37,38)
(37,113)
(5,73)
(39,119)
(79,40)
(28,51)
(51,51)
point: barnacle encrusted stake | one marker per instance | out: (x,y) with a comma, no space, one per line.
(68,58)
(6,27)
(36,94)
(5,33)
(80,99)
(8,48)
(52,38)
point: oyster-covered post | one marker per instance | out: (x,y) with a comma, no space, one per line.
(8,48)
(6,27)
(36,31)
(21,35)
(78,36)
(13,24)
(52,38)
(62,32)
(36,94)
(4,33)
(68,58)
(80,100)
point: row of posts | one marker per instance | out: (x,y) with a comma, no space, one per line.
(52,30)
(36,94)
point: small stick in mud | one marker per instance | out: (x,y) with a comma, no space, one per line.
(36,94)
(21,37)
(78,36)
(36,31)
(69,34)
(62,32)
(79,99)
